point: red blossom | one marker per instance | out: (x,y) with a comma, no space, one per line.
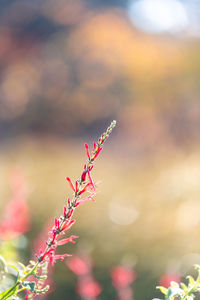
(65,211)
(88,287)
(68,240)
(52,258)
(57,223)
(91,181)
(68,201)
(70,213)
(70,183)
(97,153)
(86,187)
(84,174)
(77,186)
(77,265)
(87,151)
(122,276)
(16,219)
(81,201)
(67,224)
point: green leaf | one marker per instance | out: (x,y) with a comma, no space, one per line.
(30,285)
(191,280)
(162,289)
(184,286)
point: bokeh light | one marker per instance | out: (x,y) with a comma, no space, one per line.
(159,16)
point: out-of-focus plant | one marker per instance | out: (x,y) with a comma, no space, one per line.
(122,277)
(182,291)
(165,279)
(87,287)
(31,279)
(15,220)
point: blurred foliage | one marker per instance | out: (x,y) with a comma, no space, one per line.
(67,69)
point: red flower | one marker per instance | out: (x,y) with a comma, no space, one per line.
(88,288)
(70,183)
(77,265)
(97,153)
(81,201)
(122,276)
(87,151)
(68,240)
(68,224)
(16,219)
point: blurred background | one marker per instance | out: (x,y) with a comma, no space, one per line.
(67,68)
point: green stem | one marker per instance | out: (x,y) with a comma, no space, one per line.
(12,291)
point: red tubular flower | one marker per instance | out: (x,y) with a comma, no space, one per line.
(87,151)
(67,224)
(81,201)
(97,153)
(68,240)
(70,183)
(86,187)
(91,181)
(77,186)
(52,258)
(68,201)
(65,211)
(57,223)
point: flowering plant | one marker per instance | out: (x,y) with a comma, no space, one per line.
(182,291)
(31,279)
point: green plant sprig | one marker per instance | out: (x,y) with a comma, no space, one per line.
(182,291)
